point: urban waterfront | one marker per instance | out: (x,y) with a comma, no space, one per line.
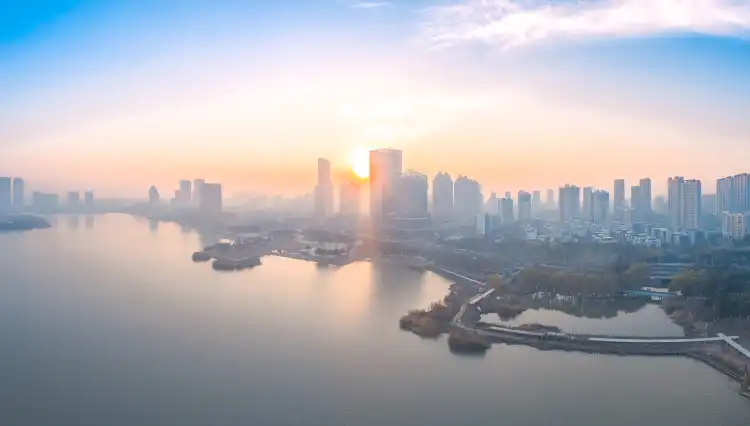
(105,320)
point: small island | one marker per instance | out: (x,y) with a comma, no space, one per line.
(22,223)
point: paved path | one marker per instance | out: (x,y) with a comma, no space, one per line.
(730,341)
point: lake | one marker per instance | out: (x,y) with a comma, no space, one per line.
(106,321)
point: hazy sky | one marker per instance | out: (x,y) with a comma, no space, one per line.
(525,94)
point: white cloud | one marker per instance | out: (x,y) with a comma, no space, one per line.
(508,23)
(369,4)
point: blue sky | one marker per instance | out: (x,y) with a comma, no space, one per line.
(520,94)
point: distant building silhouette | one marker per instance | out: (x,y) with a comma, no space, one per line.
(153,196)
(684,201)
(524,206)
(442,197)
(19,196)
(5,194)
(587,212)
(600,206)
(324,189)
(570,202)
(468,201)
(184,194)
(506,210)
(44,203)
(619,199)
(197,186)
(74,201)
(88,199)
(211,198)
(386,166)
(349,199)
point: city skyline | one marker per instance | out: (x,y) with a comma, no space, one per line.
(106,88)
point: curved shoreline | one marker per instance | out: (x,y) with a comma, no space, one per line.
(669,346)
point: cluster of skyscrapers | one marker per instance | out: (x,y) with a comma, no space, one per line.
(197,194)
(13,199)
(733,205)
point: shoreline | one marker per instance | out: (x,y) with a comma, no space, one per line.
(541,342)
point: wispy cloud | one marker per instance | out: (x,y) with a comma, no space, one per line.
(368,4)
(508,23)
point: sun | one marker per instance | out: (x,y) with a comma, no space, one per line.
(360,163)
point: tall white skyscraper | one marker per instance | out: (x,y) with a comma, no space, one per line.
(386,166)
(442,197)
(491,206)
(684,202)
(324,190)
(691,204)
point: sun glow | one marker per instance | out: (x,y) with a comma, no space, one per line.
(360,163)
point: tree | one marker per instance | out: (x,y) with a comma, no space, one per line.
(636,275)
(689,282)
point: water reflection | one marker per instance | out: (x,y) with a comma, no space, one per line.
(626,316)
(153,225)
(72,221)
(89,221)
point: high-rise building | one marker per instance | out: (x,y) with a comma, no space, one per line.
(74,199)
(570,202)
(507,194)
(324,189)
(385,168)
(733,193)
(551,198)
(468,200)
(5,194)
(588,206)
(186,193)
(19,197)
(645,202)
(524,206)
(619,195)
(197,185)
(536,201)
(691,204)
(88,199)
(442,197)
(674,200)
(636,208)
(506,209)
(211,198)
(600,206)
(491,206)
(735,225)
(411,195)
(349,199)
(44,203)
(684,202)
(153,196)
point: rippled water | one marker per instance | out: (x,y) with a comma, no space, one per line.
(106,321)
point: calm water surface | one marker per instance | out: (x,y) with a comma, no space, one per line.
(106,321)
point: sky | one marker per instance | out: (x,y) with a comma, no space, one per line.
(116,96)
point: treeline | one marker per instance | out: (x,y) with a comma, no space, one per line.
(726,291)
(577,282)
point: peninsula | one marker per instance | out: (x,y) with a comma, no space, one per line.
(22,223)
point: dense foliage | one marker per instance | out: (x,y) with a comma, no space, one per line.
(727,291)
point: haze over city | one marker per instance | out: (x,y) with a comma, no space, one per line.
(118,96)
(374,212)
